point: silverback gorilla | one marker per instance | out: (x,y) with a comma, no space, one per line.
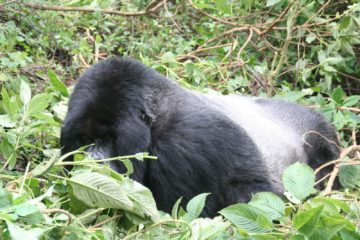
(231,146)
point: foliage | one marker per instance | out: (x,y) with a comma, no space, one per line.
(303,51)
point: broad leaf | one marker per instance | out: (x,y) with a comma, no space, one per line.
(305,221)
(247,218)
(57,84)
(195,207)
(337,95)
(38,103)
(100,191)
(206,228)
(270,204)
(349,176)
(25,93)
(143,200)
(299,180)
(270,3)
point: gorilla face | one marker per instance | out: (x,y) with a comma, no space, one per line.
(231,146)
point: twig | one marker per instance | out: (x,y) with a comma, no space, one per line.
(284,49)
(105,221)
(348,76)
(350,109)
(89,9)
(228,32)
(320,10)
(192,54)
(171,18)
(8,2)
(317,133)
(330,163)
(353,136)
(58,210)
(154,5)
(339,108)
(96,52)
(278,19)
(246,43)
(322,179)
(337,167)
(213,17)
(89,35)
(83,61)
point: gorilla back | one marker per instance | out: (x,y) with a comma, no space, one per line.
(231,146)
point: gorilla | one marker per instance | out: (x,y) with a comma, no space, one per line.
(230,146)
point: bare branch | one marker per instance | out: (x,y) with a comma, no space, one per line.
(89,9)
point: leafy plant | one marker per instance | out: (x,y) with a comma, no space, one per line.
(301,51)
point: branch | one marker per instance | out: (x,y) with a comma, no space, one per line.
(246,43)
(213,17)
(89,9)
(337,167)
(56,210)
(278,19)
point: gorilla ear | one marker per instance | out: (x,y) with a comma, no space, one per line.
(148,117)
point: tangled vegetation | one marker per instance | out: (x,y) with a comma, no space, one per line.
(305,51)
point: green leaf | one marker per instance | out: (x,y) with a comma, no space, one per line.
(168,57)
(347,47)
(45,166)
(331,205)
(57,84)
(297,237)
(299,180)
(328,227)
(100,191)
(270,3)
(292,96)
(18,233)
(9,104)
(223,6)
(310,38)
(9,152)
(142,198)
(321,56)
(270,204)
(25,209)
(195,207)
(349,235)
(34,218)
(206,228)
(351,101)
(338,95)
(349,176)
(5,198)
(345,22)
(305,221)
(262,237)
(25,93)
(175,209)
(247,218)
(6,121)
(38,103)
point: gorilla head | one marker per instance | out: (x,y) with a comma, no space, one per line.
(231,146)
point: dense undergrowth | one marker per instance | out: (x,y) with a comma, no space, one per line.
(305,51)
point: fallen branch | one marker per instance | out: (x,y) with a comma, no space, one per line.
(147,10)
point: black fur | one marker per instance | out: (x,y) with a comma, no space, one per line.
(125,107)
